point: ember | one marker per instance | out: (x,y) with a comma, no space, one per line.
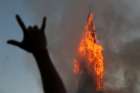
(91,51)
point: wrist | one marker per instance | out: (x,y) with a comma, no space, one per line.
(39,51)
(41,54)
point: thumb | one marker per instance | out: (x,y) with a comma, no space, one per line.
(15,43)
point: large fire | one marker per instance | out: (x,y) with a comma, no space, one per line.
(91,52)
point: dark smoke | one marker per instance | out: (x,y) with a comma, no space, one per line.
(118,29)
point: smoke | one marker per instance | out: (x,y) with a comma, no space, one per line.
(118,29)
(66,19)
(117,24)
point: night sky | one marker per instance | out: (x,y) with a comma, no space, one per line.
(118,29)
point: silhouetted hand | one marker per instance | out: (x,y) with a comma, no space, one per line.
(33,37)
(34,41)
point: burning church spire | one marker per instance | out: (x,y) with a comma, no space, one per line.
(91,53)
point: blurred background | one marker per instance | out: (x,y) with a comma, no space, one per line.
(118,29)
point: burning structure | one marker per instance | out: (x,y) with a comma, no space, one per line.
(90,55)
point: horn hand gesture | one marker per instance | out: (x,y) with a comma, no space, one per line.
(33,37)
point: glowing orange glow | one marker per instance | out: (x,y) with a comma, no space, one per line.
(92,52)
(76,69)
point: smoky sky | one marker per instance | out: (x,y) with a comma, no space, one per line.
(117,24)
(64,26)
(118,29)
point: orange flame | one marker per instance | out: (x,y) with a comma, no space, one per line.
(92,52)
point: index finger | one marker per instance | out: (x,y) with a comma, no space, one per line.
(43,24)
(20,22)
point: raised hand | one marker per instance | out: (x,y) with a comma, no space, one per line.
(33,37)
(34,41)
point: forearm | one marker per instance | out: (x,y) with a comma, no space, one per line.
(52,83)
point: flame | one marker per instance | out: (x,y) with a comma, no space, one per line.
(91,51)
